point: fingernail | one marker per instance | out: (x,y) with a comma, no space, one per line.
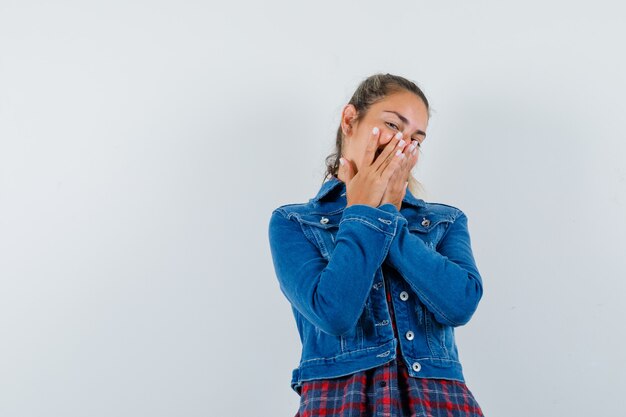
(341,161)
(398,152)
(399,135)
(401,143)
(375,131)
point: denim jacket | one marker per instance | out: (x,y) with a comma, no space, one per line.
(335,263)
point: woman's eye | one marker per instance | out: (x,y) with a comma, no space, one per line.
(393,125)
(419,145)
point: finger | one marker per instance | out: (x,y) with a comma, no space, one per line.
(398,177)
(413,155)
(345,168)
(394,164)
(370,149)
(409,161)
(390,151)
(411,158)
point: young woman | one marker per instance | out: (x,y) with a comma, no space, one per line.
(377,278)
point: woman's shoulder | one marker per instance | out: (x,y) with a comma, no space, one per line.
(291,211)
(291,207)
(442,208)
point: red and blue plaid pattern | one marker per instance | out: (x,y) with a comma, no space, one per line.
(387,390)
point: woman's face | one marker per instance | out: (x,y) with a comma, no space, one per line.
(398,112)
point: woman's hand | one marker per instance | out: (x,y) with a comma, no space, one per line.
(369,184)
(396,188)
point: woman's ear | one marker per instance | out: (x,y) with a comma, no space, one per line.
(348,115)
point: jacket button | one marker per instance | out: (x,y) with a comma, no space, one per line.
(417,366)
(409,335)
(324,220)
(404,295)
(425,222)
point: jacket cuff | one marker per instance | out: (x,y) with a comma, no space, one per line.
(378,218)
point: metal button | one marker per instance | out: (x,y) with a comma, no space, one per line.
(404,295)
(324,220)
(425,222)
(409,335)
(417,366)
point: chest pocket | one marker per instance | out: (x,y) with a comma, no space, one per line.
(428,226)
(321,229)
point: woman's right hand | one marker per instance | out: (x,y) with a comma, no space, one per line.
(368,185)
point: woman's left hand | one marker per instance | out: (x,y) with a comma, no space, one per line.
(396,188)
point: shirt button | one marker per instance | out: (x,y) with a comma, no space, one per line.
(409,335)
(417,366)
(425,222)
(324,220)
(404,295)
(383,383)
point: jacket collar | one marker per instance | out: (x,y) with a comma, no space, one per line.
(335,184)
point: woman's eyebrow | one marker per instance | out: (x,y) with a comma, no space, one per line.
(404,120)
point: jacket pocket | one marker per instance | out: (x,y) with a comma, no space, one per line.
(321,231)
(431,229)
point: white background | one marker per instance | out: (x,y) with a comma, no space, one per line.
(144,144)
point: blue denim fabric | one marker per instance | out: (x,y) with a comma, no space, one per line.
(335,263)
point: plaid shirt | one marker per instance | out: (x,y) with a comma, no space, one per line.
(387,390)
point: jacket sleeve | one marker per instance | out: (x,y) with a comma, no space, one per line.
(331,294)
(446,280)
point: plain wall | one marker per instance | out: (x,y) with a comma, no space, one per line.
(144,144)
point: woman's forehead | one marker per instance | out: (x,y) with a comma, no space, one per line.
(410,109)
(403,100)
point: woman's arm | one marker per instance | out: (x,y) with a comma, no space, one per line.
(331,294)
(447,281)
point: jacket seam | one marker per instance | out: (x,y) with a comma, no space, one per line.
(342,354)
(364,221)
